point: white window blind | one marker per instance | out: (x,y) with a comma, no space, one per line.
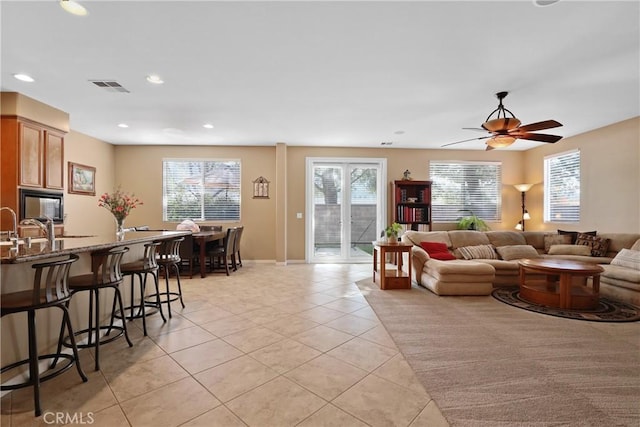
(201,189)
(462,187)
(562,187)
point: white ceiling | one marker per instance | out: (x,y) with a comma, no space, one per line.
(350,73)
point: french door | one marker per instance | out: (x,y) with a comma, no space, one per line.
(345,208)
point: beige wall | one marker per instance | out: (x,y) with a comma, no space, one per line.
(610,179)
(138,169)
(83,214)
(16,104)
(398,160)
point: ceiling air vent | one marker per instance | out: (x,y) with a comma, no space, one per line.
(109,85)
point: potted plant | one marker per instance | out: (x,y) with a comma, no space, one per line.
(392,232)
(471,222)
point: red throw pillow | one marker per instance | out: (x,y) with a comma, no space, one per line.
(437,250)
(443,256)
(434,247)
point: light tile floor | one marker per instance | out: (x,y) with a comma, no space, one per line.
(269,345)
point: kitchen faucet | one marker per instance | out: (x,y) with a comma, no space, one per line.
(15,221)
(48,230)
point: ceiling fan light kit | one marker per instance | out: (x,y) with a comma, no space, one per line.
(505,128)
(501,141)
(73,7)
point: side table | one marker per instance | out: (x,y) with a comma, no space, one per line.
(391,278)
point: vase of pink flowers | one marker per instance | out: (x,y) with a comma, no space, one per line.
(120,205)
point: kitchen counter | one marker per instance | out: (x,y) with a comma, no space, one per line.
(16,275)
(39,248)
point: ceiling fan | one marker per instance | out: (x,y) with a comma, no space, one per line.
(504,130)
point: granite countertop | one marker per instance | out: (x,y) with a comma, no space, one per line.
(40,250)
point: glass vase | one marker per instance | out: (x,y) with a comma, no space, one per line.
(119,228)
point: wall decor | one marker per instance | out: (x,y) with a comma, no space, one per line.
(82,179)
(261,188)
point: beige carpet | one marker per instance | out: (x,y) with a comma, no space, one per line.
(486,363)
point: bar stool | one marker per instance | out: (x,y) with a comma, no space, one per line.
(50,289)
(140,269)
(168,258)
(105,265)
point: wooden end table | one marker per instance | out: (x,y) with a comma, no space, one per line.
(564,284)
(391,278)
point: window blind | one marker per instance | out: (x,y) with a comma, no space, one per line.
(562,187)
(201,189)
(462,187)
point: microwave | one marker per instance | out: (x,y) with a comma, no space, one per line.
(38,205)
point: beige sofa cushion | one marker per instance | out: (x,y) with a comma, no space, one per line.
(461,238)
(569,250)
(556,239)
(627,258)
(415,237)
(509,253)
(535,239)
(506,238)
(619,241)
(621,273)
(459,270)
(635,247)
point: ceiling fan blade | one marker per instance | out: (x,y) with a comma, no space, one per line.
(466,140)
(478,129)
(547,124)
(489,148)
(538,137)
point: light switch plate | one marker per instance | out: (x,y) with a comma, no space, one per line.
(299,215)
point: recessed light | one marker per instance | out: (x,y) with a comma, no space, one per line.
(24,77)
(155,79)
(123,125)
(73,7)
(207,126)
(544,3)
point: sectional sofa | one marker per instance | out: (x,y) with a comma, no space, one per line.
(475,262)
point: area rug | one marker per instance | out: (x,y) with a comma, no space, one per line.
(607,310)
(485,363)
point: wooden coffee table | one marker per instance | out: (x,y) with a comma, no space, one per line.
(560,283)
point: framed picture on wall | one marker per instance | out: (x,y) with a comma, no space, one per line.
(82,179)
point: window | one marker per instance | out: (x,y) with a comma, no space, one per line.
(562,187)
(460,187)
(201,190)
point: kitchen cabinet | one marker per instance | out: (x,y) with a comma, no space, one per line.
(53,160)
(32,157)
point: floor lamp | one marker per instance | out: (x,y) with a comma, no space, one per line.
(523,188)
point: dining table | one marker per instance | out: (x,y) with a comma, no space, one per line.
(201,238)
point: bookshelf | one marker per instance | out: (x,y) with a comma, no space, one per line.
(412,203)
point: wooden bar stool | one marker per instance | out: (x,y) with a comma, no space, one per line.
(50,289)
(105,265)
(168,259)
(140,269)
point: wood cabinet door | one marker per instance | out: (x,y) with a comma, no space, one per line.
(31,156)
(54,160)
